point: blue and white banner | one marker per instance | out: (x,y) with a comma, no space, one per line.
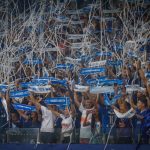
(19,94)
(102,89)
(96,81)
(25,84)
(147,74)
(88,71)
(33,62)
(133,88)
(40,89)
(24,107)
(61,82)
(114,63)
(109,102)
(65,66)
(110,82)
(57,101)
(97,63)
(104,54)
(81,88)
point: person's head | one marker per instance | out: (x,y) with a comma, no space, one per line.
(52,107)
(34,116)
(14,117)
(66,111)
(87,101)
(124,91)
(142,103)
(123,106)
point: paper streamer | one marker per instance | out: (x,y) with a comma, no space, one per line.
(88,71)
(129,114)
(24,107)
(40,89)
(81,88)
(19,94)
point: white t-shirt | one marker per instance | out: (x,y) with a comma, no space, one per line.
(67,125)
(47,120)
(85,131)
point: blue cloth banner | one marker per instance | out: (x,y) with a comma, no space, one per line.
(24,107)
(114,63)
(147,74)
(40,89)
(65,66)
(58,101)
(110,82)
(95,81)
(88,71)
(25,84)
(33,62)
(104,54)
(109,102)
(19,94)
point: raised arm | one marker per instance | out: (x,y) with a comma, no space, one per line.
(76,99)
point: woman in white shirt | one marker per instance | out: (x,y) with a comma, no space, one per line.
(67,123)
(47,126)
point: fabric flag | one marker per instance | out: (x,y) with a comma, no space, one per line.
(81,88)
(40,89)
(19,94)
(24,107)
(88,71)
(129,114)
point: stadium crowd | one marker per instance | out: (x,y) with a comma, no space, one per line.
(87,118)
